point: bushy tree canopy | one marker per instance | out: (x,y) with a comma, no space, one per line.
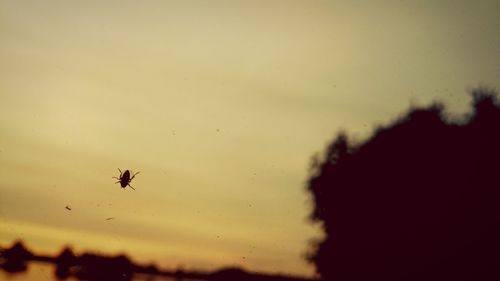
(419,200)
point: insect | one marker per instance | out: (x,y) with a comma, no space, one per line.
(68,208)
(125,178)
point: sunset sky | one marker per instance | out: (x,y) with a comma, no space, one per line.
(220,105)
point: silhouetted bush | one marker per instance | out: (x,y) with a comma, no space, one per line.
(65,261)
(14,259)
(419,200)
(95,267)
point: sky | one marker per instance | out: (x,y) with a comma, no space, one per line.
(220,105)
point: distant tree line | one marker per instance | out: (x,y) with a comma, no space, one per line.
(97,267)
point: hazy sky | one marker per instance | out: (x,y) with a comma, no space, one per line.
(219,104)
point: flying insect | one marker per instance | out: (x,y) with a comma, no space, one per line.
(125,178)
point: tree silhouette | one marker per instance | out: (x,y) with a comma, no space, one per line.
(419,200)
(65,261)
(96,267)
(14,258)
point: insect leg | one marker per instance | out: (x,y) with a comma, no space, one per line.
(131,186)
(133,176)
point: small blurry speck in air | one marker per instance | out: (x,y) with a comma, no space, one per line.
(125,178)
(68,208)
(110,218)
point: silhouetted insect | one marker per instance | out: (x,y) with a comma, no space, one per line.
(125,178)
(68,208)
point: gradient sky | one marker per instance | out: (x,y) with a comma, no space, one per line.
(219,104)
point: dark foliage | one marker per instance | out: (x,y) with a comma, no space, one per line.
(65,261)
(13,259)
(94,267)
(419,200)
(235,273)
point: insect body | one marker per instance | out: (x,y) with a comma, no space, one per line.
(125,178)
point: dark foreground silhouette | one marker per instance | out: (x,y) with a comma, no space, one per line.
(419,200)
(110,268)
